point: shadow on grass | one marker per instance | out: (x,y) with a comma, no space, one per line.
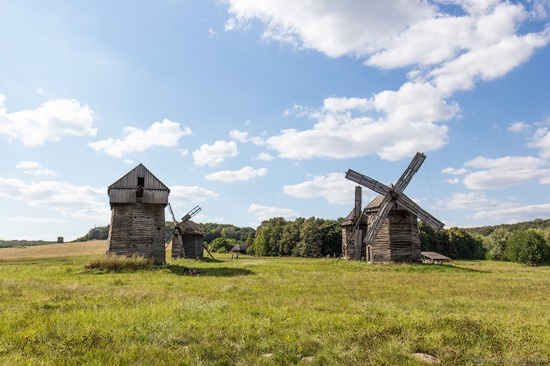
(209,272)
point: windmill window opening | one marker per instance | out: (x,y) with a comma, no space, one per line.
(141,181)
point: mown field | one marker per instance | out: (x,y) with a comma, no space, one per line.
(272,311)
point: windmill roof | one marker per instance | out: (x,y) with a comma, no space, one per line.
(350,219)
(129,180)
(374,205)
(190,227)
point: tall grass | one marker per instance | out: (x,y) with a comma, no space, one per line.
(273,311)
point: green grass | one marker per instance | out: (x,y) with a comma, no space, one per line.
(273,311)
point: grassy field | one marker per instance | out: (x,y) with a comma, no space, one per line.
(272,311)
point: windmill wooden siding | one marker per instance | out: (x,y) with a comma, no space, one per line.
(398,239)
(351,237)
(137,204)
(354,232)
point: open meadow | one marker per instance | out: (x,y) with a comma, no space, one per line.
(270,311)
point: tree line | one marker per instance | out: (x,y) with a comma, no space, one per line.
(525,242)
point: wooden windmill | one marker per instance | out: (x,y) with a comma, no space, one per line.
(392,218)
(137,215)
(187,237)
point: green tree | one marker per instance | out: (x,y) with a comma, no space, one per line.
(222,245)
(290,237)
(311,239)
(457,243)
(495,244)
(268,234)
(429,240)
(528,247)
(332,238)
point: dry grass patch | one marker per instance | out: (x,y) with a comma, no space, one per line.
(91,247)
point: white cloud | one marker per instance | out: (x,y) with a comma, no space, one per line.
(33,168)
(441,38)
(213,155)
(541,140)
(472,201)
(187,195)
(453,171)
(448,53)
(52,121)
(70,201)
(164,134)
(505,172)
(403,123)
(336,28)
(245,174)
(518,127)
(265,213)
(263,156)
(243,137)
(515,214)
(333,187)
(487,63)
(453,180)
(39,220)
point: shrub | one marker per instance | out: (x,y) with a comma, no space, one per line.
(115,263)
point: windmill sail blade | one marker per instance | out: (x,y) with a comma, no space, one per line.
(420,212)
(405,179)
(383,211)
(365,181)
(172,213)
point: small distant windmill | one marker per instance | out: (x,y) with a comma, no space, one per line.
(187,236)
(392,218)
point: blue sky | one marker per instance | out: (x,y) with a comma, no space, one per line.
(255,109)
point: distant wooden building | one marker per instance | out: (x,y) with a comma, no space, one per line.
(192,238)
(398,239)
(434,258)
(138,200)
(60,239)
(239,248)
(354,229)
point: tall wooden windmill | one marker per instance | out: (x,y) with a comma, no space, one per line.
(137,215)
(392,218)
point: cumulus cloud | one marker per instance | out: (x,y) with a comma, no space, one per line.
(506,172)
(186,195)
(332,187)
(541,140)
(68,200)
(484,173)
(469,201)
(244,137)
(39,220)
(33,168)
(263,156)
(518,127)
(447,52)
(163,134)
(515,214)
(453,171)
(52,121)
(213,155)
(263,213)
(405,122)
(355,27)
(245,174)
